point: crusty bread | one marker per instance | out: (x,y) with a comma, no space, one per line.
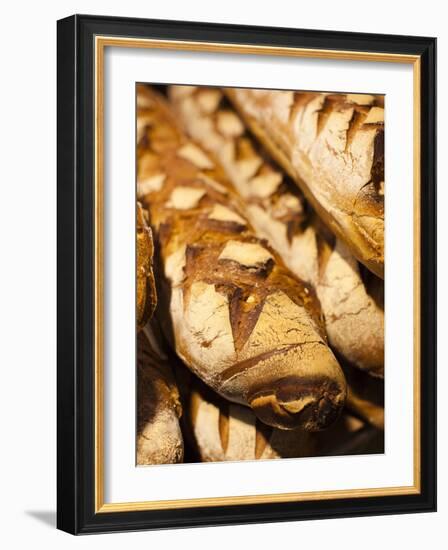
(159,438)
(238,318)
(221,431)
(354,315)
(146,290)
(332,145)
(352,299)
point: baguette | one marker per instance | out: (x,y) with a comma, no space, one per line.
(146,290)
(222,431)
(159,437)
(332,145)
(238,318)
(354,314)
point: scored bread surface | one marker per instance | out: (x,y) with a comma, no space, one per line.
(238,318)
(224,431)
(146,289)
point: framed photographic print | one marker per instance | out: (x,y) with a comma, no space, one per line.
(246,274)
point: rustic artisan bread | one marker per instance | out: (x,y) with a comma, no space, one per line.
(159,437)
(352,305)
(219,430)
(352,299)
(238,318)
(332,145)
(146,290)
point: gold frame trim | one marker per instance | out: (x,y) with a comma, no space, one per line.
(101,42)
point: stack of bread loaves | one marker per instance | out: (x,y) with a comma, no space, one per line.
(266,209)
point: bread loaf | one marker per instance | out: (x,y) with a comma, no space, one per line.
(146,290)
(354,315)
(238,318)
(332,145)
(352,299)
(159,438)
(224,431)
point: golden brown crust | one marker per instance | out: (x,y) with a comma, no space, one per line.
(240,320)
(146,289)
(159,439)
(352,299)
(222,431)
(277,209)
(333,147)
(348,436)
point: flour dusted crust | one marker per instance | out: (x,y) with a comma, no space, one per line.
(354,316)
(365,396)
(238,318)
(159,437)
(222,431)
(146,290)
(332,145)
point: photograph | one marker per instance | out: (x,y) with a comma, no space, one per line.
(259,274)
(246,328)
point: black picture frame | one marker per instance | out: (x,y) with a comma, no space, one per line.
(76,262)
